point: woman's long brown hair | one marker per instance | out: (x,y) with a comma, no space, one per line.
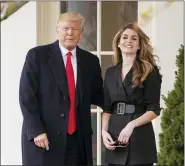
(145,60)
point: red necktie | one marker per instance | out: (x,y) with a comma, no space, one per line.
(71,87)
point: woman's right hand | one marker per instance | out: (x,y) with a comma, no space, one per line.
(107,140)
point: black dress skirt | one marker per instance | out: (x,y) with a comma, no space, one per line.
(127,155)
(120,154)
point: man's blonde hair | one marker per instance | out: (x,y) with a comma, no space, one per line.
(72,16)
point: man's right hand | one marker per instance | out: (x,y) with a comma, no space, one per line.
(107,140)
(42,141)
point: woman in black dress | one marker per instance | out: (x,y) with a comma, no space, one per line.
(131,100)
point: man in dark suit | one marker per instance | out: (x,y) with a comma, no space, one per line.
(58,84)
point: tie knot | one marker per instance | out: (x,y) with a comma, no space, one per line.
(69,54)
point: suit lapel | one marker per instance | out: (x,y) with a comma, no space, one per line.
(57,66)
(124,87)
(127,83)
(58,69)
(118,78)
(128,79)
(79,86)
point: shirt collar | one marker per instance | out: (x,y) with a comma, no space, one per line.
(64,51)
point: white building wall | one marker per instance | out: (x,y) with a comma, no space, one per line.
(166,32)
(18,35)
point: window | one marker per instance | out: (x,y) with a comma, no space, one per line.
(88,9)
(114,16)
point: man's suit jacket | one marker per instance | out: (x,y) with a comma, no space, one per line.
(44,101)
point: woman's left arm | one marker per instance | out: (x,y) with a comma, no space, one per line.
(143,119)
(152,91)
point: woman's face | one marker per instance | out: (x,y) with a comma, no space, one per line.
(129,42)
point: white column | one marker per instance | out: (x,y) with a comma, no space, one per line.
(47,17)
(99,56)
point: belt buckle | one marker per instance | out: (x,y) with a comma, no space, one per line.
(121,108)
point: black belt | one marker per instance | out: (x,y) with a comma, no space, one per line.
(123,108)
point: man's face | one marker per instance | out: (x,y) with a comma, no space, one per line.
(69,33)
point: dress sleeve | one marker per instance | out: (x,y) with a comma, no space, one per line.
(107,99)
(152,91)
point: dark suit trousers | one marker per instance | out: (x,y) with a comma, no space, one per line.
(72,155)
